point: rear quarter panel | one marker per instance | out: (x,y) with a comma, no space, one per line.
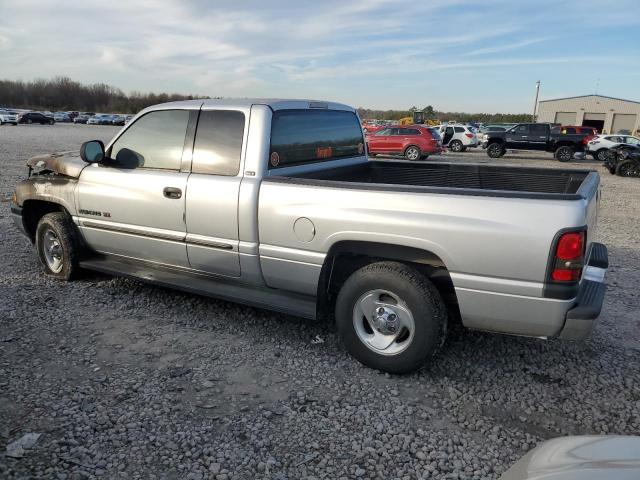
(495,240)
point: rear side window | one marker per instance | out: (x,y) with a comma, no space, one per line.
(306,136)
(540,129)
(156,140)
(218,143)
(459,129)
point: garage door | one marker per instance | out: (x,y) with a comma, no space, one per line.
(566,118)
(623,122)
(595,116)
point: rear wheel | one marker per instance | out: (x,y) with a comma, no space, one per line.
(390,317)
(412,153)
(456,146)
(495,150)
(564,153)
(57,245)
(628,168)
(51,122)
(602,154)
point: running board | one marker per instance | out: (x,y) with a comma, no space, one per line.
(267,298)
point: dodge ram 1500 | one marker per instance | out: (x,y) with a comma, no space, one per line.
(274,203)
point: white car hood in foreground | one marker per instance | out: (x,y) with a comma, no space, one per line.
(608,457)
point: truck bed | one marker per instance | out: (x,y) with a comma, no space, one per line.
(456,178)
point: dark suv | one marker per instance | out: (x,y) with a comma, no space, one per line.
(36,117)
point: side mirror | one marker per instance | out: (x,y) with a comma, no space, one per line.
(92,151)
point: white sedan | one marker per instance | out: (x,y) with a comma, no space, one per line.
(599,145)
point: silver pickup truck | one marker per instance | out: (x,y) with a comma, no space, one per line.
(274,203)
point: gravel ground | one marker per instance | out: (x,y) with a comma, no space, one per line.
(126,380)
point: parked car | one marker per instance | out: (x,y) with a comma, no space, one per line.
(412,141)
(8,117)
(584,457)
(82,118)
(588,132)
(304,223)
(458,137)
(117,120)
(623,160)
(62,117)
(99,119)
(533,136)
(599,145)
(36,117)
(128,118)
(73,114)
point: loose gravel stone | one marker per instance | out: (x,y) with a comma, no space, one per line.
(126,380)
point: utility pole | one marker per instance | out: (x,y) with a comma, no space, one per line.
(535,104)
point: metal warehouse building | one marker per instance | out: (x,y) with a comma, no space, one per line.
(607,114)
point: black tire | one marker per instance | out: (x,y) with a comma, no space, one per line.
(416,293)
(564,153)
(62,228)
(456,146)
(495,150)
(424,156)
(29,121)
(628,168)
(464,149)
(601,155)
(51,122)
(612,170)
(412,153)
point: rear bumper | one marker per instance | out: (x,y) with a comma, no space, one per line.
(581,319)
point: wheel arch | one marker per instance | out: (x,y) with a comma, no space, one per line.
(34,210)
(347,256)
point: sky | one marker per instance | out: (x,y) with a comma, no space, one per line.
(456,55)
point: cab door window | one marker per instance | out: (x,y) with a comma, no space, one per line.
(155,140)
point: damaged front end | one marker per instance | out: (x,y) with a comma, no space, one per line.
(68,164)
(50,187)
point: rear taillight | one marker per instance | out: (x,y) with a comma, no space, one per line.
(568,257)
(468,135)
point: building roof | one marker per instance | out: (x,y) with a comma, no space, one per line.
(592,95)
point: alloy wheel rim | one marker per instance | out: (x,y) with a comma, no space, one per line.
(412,153)
(383,322)
(52,251)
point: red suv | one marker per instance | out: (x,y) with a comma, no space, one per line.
(573,129)
(412,141)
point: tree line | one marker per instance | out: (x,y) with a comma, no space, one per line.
(431,114)
(63,93)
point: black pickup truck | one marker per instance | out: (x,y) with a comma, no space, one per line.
(533,136)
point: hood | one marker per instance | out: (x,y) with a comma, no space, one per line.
(610,457)
(68,164)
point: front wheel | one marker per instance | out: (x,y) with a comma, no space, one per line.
(57,245)
(390,317)
(628,169)
(495,150)
(456,146)
(564,154)
(51,122)
(412,153)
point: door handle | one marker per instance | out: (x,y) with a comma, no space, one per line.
(172,192)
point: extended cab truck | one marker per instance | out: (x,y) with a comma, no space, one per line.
(533,136)
(275,204)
